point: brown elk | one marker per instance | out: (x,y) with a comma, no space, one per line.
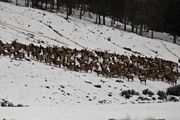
(1,43)
(19,55)
(142,79)
(130,77)
(1,49)
(172,78)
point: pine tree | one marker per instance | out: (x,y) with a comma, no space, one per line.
(172,18)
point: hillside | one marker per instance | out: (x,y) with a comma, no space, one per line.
(39,85)
(28,25)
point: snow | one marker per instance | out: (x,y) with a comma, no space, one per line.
(56,93)
(26,82)
(28,25)
(167,111)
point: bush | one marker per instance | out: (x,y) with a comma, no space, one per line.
(148,92)
(153,98)
(6,103)
(143,98)
(97,86)
(175,90)
(129,93)
(3,104)
(109,39)
(173,99)
(162,95)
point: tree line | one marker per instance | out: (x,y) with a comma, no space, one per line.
(154,15)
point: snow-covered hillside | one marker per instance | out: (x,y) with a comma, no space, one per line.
(27,25)
(39,85)
(36,84)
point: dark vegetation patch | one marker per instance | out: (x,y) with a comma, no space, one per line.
(88,82)
(109,39)
(97,86)
(175,90)
(47,87)
(148,92)
(162,95)
(119,81)
(110,94)
(173,99)
(129,93)
(103,101)
(143,98)
(5,103)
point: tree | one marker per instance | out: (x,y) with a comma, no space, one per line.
(16,2)
(131,12)
(155,12)
(172,18)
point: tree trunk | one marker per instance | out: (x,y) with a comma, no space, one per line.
(70,9)
(80,16)
(136,29)
(58,5)
(32,3)
(96,19)
(104,20)
(141,29)
(41,5)
(27,3)
(16,2)
(46,4)
(51,5)
(99,19)
(67,13)
(174,39)
(112,22)
(132,27)
(152,34)
(125,22)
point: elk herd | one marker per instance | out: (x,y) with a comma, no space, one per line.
(103,63)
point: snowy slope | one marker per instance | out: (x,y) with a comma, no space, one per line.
(54,93)
(168,111)
(39,85)
(28,25)
(36,84)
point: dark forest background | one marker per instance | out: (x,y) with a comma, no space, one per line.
(154,15)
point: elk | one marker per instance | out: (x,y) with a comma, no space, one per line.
(1,43)
(130,77)
(98,72)
(19,55)
(172,78)
(1,49)
(142,79)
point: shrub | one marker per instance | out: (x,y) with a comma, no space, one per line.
(19,105)
(148,92)
(97,86)
(109,39)
(6,103)
(143,98)
(3,104)
(153,98)
(173,99)
(162,95)
(175,90)
(129,93)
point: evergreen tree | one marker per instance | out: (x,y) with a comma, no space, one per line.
(172,18)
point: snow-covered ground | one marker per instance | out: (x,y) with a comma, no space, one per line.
(56,93)
(29,25)
(167,111)
(37,84)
